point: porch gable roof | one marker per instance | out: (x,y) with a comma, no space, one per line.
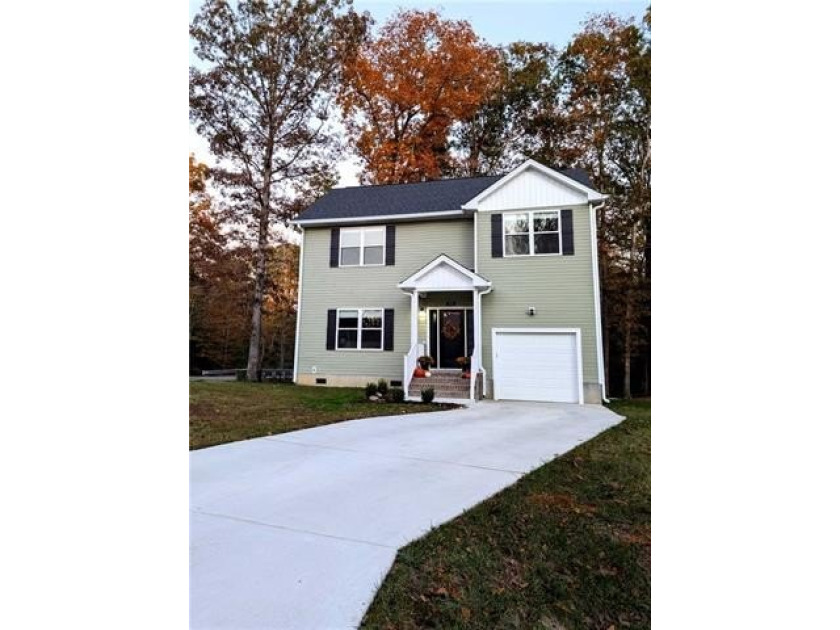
(444,274)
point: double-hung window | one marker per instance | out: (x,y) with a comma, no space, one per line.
(532,233)
(361,247)
(359,329)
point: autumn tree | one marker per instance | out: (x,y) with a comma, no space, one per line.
(220,283)
(606,129)
(261,96)
(206,245)
(408,87)
(281,304)
(518,118)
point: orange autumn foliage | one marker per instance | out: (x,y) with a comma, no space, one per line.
(407,88)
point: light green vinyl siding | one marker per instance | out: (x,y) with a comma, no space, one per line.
(324,287)
(560,288)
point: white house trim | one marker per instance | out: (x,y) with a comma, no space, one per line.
(360,311)
(362,229)
(379,218)
(468,282)
(575,331)
(531,233)
(591,195)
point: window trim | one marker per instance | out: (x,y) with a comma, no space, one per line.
(530,233)
(359,310)
(361,230)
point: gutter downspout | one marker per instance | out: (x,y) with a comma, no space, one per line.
(478,307)
(596,279)
(481,337)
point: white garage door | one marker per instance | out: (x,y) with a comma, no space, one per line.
(536,365)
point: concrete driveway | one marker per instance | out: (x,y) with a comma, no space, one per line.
(296,531)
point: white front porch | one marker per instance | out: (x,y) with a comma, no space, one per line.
(430,316)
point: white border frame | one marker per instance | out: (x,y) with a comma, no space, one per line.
(531,232)
(566,331)
(361,230)
(359,328)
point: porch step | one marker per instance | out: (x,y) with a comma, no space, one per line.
(447,384)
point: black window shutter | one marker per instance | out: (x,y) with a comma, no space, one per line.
(335,235)
(496,235)
(390,242)
(568,232)
(331,329)
(388,332)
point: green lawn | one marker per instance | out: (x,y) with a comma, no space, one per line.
(231,411)
(566,547)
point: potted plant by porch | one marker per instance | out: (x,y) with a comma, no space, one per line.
(425,362)
(464,362)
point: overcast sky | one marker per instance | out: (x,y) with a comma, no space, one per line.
(499,22)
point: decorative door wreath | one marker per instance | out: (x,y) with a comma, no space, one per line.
(451,326)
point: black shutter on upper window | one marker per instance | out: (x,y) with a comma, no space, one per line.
(331,329)
(568,232)
(335,237)
(390,243)
(496,235)
(388,330)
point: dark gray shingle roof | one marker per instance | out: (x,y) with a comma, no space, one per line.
(361,202)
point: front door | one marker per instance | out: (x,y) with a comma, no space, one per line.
(452,338)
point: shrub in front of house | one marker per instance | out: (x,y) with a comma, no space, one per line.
(382,386)
(370,390)
(396,395)
(427,394)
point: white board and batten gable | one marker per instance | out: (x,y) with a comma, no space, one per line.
(444,274)
(532,185)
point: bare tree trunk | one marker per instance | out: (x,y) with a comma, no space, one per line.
(256,315)
(254,355)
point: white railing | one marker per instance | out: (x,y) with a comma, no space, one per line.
(409,363)
(473,363)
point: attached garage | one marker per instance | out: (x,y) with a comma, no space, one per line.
(542,364)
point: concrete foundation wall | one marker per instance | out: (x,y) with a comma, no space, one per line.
(592,393)
(342,380)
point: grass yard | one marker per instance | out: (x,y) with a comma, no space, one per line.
(566,547)
(231,411)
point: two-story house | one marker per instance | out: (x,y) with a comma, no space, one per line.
(502,270)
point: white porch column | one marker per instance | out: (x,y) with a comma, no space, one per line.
(476,330)
(415,309)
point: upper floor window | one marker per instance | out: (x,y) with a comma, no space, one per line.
(532,233)
(362,246)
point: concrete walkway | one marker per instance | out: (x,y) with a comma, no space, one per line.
(296,531)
